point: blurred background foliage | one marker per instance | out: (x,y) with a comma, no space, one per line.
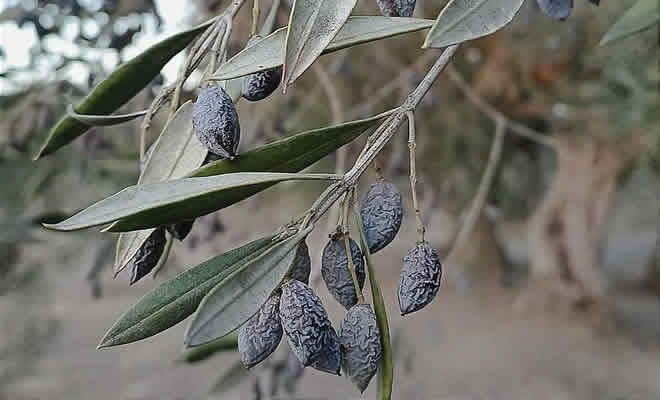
(547,75)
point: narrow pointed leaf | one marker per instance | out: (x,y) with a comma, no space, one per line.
(269,52)
(176,299)
(386,366)
(175,153)
(463,20)
(104,120)
(203,352)
(292,154)
(119,87)
(162,203)
(312,25)
(643,15)
(239,296)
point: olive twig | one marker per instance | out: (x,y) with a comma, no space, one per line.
(255,17)
(412,145)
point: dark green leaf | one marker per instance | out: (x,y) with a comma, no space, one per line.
(119,87)
(641,16)
(463,20)
(162,203)
(239,296)
(288,155)
(269,52)
(104,120)
(174,300)
(312,25)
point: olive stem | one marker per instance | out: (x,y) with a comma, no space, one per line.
(381,137)
(347,243)
(412,145)
(255,17)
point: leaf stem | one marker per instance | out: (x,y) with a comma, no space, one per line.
(412,145)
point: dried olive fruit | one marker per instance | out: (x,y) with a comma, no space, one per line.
(335,272)
(304,321)
(420,278)
(215,121)
(330,358)
(360,345)
(258,86)
(261,334)
(147,256)
(302,264)
(557,9)
(211,157)
(180,229)
(381,214)
(396,8)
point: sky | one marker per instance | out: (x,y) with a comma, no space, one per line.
(16,43)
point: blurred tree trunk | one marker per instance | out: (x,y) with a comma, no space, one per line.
(567,229)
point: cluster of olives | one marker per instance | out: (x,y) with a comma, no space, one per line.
(296,312)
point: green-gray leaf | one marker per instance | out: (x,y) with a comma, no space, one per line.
(239,296)
(269,52)
(269,22)
(175,153)
(312,25)
(104,120)
(162,203)
(641,16)
(119,87)
(463,20)
(174,300)
(385,367)
(288,155)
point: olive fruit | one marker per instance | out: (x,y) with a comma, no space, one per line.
(396,8)
(147,255)
(335,272)
(381,213)
(420,278)
(302,264)
(329,360)
(215,121)
(258,86)
(261,334)
(557,9)
(360,345)
(304,321)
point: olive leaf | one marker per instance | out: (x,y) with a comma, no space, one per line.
(203,352)
(269,52)
(119,87)
(312,25)
(174,300)
(643,15)
(288,155)
(104,120)
(162,203)
(175,153)
(386,367)
(463,20)
(239,296)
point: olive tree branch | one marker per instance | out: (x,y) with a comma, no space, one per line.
(480,198)
(381,137)
(412,145)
